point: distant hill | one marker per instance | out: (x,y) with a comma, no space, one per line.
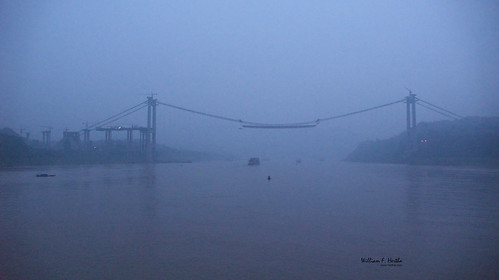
(468,141)
(12,147)
(8,131)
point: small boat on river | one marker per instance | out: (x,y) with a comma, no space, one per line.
(254,161)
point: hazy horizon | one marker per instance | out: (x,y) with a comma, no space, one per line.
(63,64)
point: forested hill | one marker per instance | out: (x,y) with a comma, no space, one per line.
(468,141)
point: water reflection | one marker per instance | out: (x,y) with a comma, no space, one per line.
(149,190)
(454,211)
(414,180)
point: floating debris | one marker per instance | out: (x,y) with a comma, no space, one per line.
(45,175)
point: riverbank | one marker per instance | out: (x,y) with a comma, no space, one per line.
(471,141)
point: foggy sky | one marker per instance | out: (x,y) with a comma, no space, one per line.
(63,64)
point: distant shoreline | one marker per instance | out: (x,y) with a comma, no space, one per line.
(472,141)
(17,151)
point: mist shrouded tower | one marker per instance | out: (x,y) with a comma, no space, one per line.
(151,128)
(410,100)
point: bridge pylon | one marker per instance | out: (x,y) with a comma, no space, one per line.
(410,100)
(150,136)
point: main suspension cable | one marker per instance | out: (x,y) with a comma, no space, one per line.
(436,111)
(100,123)
(428,103)
(200,113)
(117,118)
(245,123)
(360,111)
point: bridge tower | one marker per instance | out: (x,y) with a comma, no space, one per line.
(410,100)
(150,136)
(46,137)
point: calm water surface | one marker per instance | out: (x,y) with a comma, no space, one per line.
(225,220)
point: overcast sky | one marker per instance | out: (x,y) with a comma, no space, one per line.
(63,63)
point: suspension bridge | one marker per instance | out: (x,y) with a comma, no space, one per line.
(147,133)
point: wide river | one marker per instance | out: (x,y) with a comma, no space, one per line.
(226,220)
